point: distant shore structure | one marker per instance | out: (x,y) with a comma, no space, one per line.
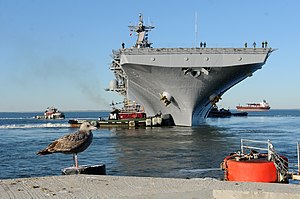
(182,82)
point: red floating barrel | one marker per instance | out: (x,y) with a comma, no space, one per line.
(250,170)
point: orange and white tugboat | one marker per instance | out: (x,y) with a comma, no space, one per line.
(131,114)
(255,164)
(51,113)
(131,110)
(262,106)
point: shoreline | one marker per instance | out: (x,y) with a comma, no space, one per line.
(104,186)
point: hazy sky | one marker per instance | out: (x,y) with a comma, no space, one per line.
(57,52)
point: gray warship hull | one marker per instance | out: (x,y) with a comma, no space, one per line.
(194,78)
(183,82)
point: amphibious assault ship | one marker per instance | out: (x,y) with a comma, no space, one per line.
(182,82)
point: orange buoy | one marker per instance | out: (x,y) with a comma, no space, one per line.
(244,169)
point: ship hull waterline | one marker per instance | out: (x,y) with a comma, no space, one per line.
(191,102)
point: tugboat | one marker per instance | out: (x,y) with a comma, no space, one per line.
(250,165)
(131,114)
(75,123)
(51,113)
(131,110)
(216,112)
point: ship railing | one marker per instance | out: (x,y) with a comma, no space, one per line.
(141,51)
(249,144)
(280,163)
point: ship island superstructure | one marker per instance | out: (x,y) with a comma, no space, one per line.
(182,82)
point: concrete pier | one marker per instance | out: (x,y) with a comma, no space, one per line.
(92,186)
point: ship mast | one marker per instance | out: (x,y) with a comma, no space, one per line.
(142,33)
(119,85)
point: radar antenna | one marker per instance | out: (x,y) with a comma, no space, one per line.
(142,33)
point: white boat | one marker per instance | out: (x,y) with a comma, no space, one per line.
(183,82)
(51,113)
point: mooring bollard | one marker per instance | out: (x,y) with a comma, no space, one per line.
(91,170)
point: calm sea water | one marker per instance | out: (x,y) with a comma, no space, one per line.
(180,152)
